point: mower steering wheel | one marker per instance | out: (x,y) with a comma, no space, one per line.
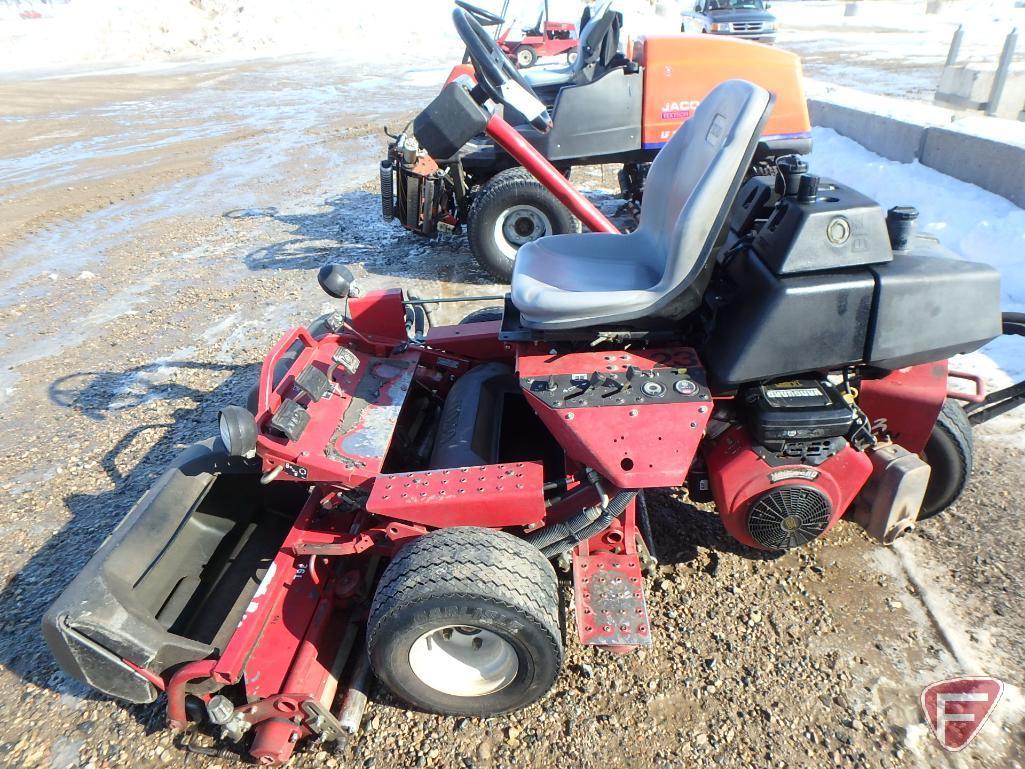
(496,75)
(486,18)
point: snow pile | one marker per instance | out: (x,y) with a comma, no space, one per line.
(118,32)
(103,33)
(917,35)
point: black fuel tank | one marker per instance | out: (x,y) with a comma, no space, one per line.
(929,306)
(922,306)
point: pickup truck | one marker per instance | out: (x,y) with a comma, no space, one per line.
(748,19)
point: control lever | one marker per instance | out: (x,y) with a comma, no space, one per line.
(583,386)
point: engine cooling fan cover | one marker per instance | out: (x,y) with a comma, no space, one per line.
(788,516)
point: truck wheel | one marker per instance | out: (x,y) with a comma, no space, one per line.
(510,210)
(526,56)
(950,453)
(465,621)
(483,314)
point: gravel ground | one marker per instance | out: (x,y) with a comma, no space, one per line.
(183,220)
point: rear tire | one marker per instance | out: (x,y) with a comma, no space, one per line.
(511,209)
(465,621)
(526,56)
(483,314)
(950,453)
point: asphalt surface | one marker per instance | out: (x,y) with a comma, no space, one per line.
(161,230)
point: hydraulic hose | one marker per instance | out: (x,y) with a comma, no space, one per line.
(561,537)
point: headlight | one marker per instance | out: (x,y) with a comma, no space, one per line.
(772,26)
(721,27)
(238,431)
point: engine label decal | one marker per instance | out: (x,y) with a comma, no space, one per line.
(794,473)
(797,392)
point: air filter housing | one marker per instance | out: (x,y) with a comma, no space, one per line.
(788,516)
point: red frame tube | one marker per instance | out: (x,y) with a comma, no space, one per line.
(153,678)
(190,671)
(512,141)
(980,387)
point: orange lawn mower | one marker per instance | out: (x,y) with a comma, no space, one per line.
(608,108)
(398,504)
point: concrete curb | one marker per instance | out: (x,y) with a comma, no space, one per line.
(987,152)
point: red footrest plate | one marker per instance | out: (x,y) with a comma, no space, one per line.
(610,604)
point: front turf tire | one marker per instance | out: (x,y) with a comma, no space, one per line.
(472,583)
(950,453)
(482,315)
(511,198)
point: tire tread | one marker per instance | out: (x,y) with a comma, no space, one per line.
(449,562)
(518,182)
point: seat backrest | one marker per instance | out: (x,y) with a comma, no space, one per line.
(597,47)
(695,178)
(594,37)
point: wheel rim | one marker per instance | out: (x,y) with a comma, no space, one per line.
(463,661)
(518,225)
(523,58)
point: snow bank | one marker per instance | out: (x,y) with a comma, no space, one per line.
(84,33)
(914,34)
(92,34)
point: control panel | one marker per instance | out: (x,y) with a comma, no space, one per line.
(620,379)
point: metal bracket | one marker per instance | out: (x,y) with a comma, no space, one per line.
(320,721)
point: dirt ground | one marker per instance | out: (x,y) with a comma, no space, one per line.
(161,230)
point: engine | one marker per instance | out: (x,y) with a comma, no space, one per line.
(786,472)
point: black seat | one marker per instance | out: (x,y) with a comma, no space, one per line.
(661,269)
(596,53)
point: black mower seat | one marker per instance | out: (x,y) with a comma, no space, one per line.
(599,43)
(661,269)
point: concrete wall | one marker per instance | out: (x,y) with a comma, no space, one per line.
(894,138)
(987,152)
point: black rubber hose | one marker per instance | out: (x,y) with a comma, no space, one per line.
(584,525)
(557,532)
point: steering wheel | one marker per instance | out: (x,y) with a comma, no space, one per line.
(486,18)
(496,75)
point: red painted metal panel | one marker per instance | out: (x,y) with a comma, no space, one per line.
(903,405)
(644,443)
(478,341)
(349,431)
(485,495)
(265,608)
(379,315)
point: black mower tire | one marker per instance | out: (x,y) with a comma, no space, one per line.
(950,453)
(467,578)
(482,315)
(528,54)
(504,192)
